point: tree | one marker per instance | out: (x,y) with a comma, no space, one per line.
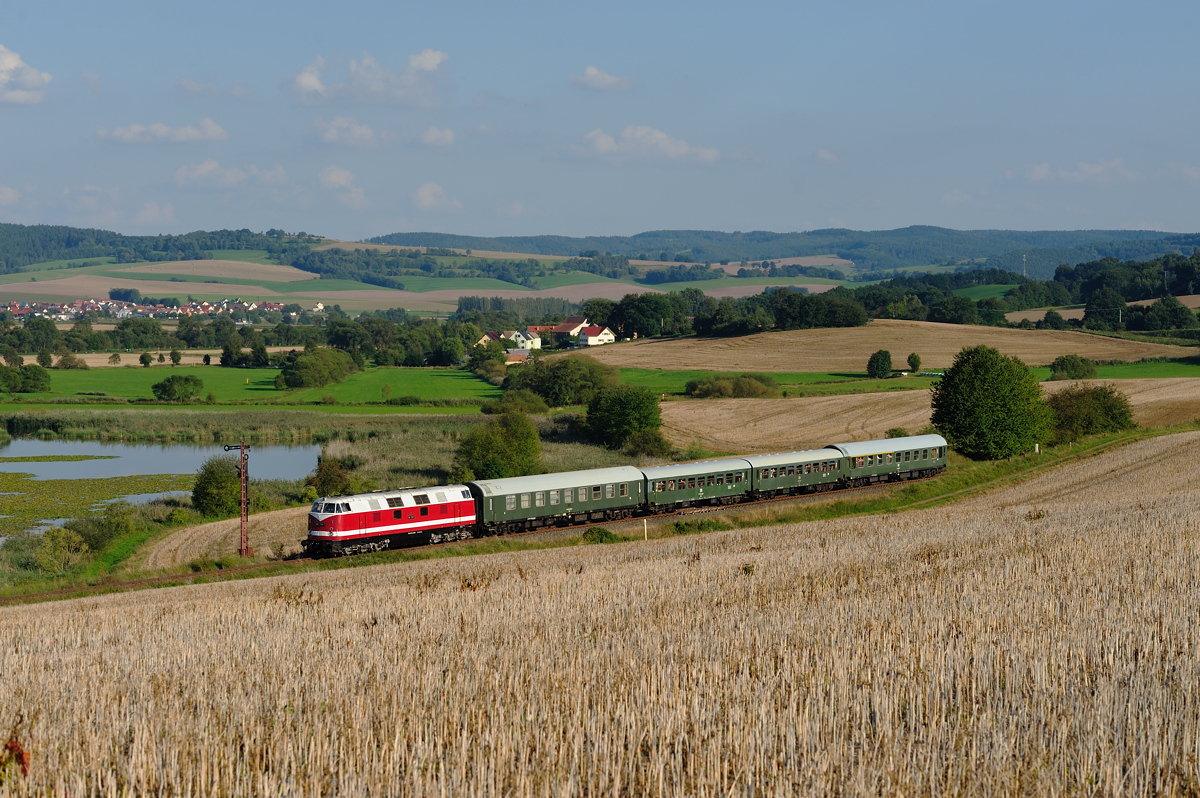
(1105,310)
(614,414)
(45,359)
(330,478)
(217,490)
(1053,320)
(880,365)
(114,359)
(145,359)
(1081,410)
(208,360)
(989,405)
(177,388)
(161,359)
(914,362)
(176,357)
(1072,367)
(506,446)
(59,550)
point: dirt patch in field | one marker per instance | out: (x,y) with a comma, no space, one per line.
(95,286)
(746,426)
(823,261)
(847,349)
(274,531)
(1188,300)
(227,269)
(737,291)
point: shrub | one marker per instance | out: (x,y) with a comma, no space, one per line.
(97,531)
(616,413)
(59,550)
(1053,320)
(1081,410)
(330,478)
(599,534)
(521,400)
(880,365)
(564,381)
(989,405)
(506,446)
(217,490)
(914,362)
(177,388)
(68,360)
(897,432)
(1072,367)
(733,386)
(649,442)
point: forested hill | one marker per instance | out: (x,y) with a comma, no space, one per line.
(21,245)
(871,251)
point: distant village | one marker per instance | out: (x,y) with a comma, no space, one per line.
(572,330)
(116,309)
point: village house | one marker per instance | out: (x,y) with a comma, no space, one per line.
(523,339)
(596,336)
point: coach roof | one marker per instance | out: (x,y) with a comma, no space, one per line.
(787,458)
(563,479)
(888,445)
(691,469)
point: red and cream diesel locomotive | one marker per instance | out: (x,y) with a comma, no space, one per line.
(391,519)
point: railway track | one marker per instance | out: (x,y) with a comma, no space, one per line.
(172,580)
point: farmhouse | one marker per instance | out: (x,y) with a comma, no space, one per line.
(596,336)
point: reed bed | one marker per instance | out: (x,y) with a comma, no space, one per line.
(1043,639)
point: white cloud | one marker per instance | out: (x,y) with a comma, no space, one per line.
(20,83)
(204,130)
(345,130)
(596,80)
(956,197)
(153,213)
(198,89)
(336,177)
(432,197)
(1185,170)
(1103,171)
(354,198)
(91,80)
(368,82)
(209,174)
(639,141)
(828,157)
(435,137)
(9,195)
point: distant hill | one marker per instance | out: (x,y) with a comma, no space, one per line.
(870,250)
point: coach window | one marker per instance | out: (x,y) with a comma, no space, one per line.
(924,454)
(583,494)
(524,501)
(671,485)
(720,480)
(553,498)
(889,458)
(539,499)
(711,480)
(739,476)
(610,491)
(791,471)
(510,502)
(623,489)
(595,493)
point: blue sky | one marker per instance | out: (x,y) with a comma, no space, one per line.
(360,119)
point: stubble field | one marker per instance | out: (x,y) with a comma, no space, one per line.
(747,426)
(848,349)
(1042,640)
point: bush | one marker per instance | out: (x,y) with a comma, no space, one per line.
(97,531)
(880,365)
(177,388)
(564,381)
(599,534)
(989,405)
(330,478)
(1053,320)
(506,446)
(1072,367)
(521,400)
(24,379)
(59,550)
(897,432)
(217,490)
(1081,410)
(649,442)
(914,362)
(614,414)
(68,360)
(733,386)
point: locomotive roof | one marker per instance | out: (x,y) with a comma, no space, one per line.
(864,448)
(453,493)
(563,479)
(698,467)
(786,458)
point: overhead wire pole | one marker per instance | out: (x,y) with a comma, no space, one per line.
(244,549)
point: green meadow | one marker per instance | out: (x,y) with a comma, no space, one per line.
(978,292)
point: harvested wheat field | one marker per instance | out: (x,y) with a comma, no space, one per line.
(847,349)
(227,269)
(278,532)
(1044,639)
(748,426)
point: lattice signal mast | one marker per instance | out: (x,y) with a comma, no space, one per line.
(244,549)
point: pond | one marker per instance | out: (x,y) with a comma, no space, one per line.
(42,483)
(127,460)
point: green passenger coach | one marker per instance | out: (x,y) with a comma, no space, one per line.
(708,482)
(515,504)
(887,460)
(797,472)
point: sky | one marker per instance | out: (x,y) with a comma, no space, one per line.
(360,119)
